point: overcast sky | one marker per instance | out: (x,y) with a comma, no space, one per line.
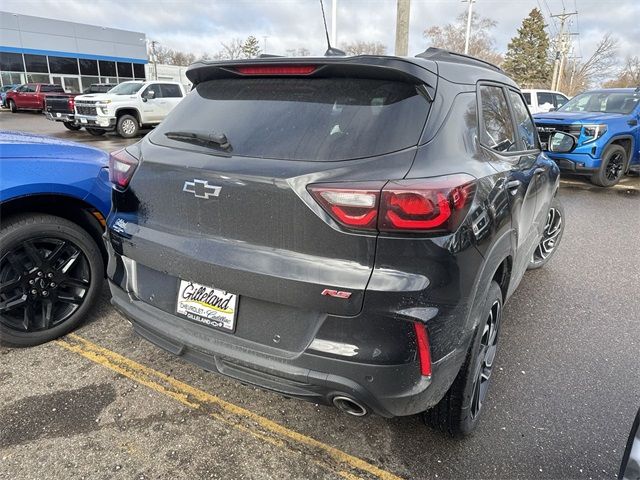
(199,25)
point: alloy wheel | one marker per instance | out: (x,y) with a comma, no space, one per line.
(613,170)
(43,282)
(486,357)
(128,127)
(549,241)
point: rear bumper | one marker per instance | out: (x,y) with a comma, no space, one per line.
(387,390)
(60,117)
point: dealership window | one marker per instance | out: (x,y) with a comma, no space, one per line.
(37,78)
(138,70)
(125,70)
(113,80)
(87,82)
(107,69)
(64,65)
(88,67)
(12,78)
(11,62)
(36,63)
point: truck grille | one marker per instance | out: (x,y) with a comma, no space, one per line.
(86,109)
(546,129)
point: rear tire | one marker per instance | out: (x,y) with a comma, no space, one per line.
(459,410)
(72,126)
(127,126)
(96,132)
(51,272)
(12,106)
(614,163)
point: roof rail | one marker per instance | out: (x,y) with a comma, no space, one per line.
(433,53)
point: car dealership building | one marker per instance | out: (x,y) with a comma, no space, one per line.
(74,55)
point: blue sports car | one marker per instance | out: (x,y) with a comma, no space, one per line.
(54,198)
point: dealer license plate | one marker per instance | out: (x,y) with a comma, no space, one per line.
(58,115)
(207,305)
(83,120)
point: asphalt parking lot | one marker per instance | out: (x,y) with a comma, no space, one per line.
(102,403)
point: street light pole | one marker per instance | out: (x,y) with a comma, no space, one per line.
(466,39)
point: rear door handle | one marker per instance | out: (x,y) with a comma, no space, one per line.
(513,185)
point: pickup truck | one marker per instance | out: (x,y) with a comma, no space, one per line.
(60,108)
(127,107)
(606,127)
(30,96)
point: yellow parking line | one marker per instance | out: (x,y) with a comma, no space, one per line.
(341,463)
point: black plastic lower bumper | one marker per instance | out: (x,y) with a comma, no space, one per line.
(387,390)
(568,166)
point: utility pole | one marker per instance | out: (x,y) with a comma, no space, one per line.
(562,48)
(468,35)
(334,22)
(402,28)
(154,59)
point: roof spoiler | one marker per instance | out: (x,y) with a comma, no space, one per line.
(433,53)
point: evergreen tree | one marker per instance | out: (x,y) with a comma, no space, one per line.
(527,58)
(251,47)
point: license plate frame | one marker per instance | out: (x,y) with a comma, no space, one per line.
(208,306)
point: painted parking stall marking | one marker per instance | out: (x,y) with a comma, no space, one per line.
(335,460)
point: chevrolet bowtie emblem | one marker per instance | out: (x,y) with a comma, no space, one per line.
(201,188)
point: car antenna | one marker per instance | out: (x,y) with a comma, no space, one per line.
(331,52)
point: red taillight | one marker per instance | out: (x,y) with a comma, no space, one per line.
(276,69)
(122,165)
(429,205)
(71,102)
(424,354)
(354,205)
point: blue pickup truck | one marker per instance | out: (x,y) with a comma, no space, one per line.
(605,125)
(54,197)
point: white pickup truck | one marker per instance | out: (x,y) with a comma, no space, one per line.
(127,107)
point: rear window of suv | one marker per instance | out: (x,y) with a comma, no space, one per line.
(312,119)
(52,88)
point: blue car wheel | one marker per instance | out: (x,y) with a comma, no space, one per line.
(51,271)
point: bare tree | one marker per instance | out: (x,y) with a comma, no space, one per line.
(364,48)
(452,37)
(629,75)
(231,50)
(580,76)
(298,52)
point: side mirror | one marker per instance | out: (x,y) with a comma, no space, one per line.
(149,95)
(630,468)
(560,142)
(552,109)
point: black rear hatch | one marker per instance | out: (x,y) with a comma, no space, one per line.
(220,197)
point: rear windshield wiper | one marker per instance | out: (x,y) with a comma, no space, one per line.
(216,140)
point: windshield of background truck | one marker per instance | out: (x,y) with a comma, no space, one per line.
(603,102)
(126,88)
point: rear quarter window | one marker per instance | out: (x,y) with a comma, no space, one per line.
(312,119)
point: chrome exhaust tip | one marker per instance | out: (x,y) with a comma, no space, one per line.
(349,406)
